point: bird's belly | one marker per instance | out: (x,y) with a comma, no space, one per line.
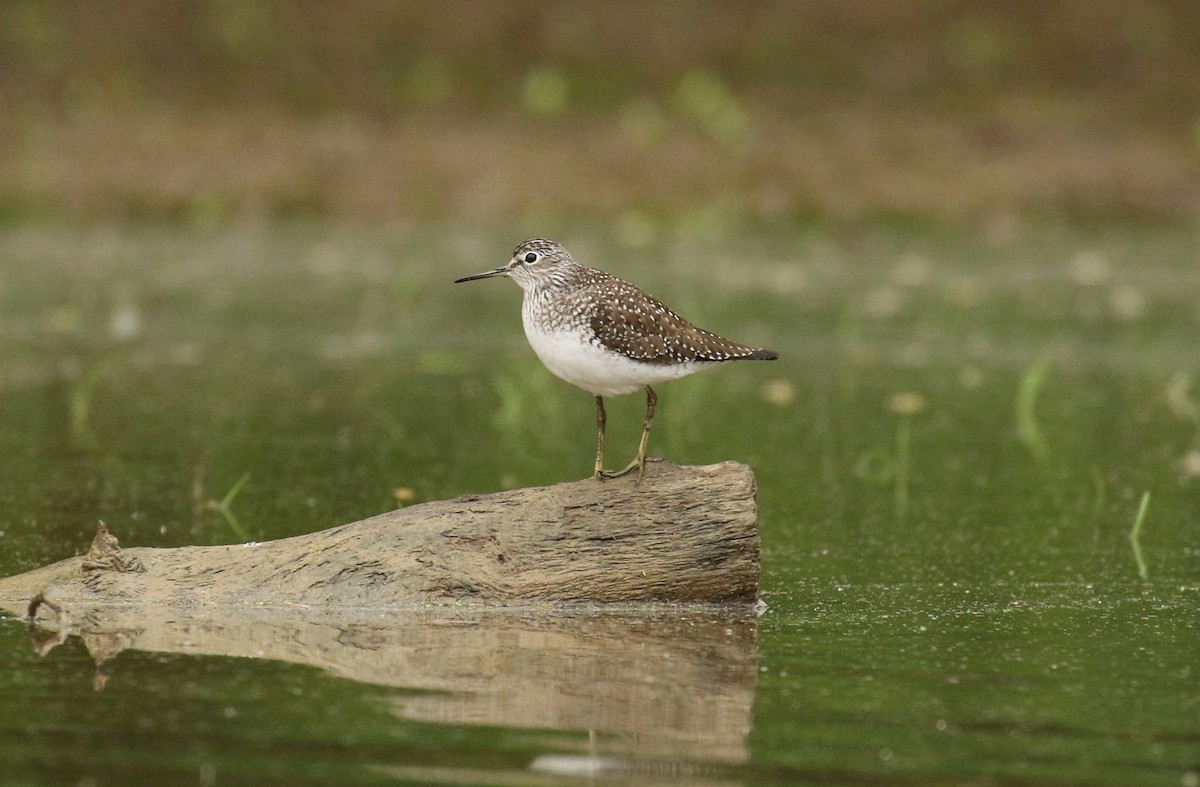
(597,370)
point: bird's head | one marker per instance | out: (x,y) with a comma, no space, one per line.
(537,262)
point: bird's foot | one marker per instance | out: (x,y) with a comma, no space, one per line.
(638,464)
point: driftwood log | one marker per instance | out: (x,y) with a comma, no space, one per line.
(684,534)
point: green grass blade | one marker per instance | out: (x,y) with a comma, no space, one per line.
(1027,395)
(1135,534)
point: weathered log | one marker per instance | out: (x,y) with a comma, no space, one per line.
(684,534)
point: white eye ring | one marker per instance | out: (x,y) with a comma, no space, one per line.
(530,257)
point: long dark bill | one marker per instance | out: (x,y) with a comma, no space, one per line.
(488,275)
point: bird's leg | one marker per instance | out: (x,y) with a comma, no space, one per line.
(600,421)
(639,462)
(651,400)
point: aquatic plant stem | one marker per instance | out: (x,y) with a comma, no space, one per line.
(226,510)
(1027,396)
(1135,534)
(903,439)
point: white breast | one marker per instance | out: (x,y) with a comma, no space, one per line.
(599,371)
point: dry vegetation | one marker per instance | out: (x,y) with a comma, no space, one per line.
(149,109)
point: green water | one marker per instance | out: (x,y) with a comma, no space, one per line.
(951,454)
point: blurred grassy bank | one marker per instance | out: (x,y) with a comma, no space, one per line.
(974,112)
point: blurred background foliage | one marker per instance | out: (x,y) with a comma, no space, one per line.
(489,110)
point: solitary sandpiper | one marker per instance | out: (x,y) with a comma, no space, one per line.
(606,336)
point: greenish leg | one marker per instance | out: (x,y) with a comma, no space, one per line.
(639,462)
(600,422)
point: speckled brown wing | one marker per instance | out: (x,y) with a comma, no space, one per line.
(639,326)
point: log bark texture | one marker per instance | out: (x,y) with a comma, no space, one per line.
(686,533)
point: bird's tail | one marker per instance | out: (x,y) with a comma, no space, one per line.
(760,355)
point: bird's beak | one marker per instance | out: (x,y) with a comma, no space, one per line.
(488,275)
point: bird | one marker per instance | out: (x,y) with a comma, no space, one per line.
(604,335)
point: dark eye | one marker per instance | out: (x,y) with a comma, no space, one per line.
(531,257)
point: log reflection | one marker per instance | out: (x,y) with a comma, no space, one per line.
(664,682)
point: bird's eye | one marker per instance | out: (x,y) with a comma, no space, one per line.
(531,258)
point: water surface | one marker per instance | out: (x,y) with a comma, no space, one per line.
(951,455)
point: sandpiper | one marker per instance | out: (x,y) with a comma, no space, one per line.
(606,336)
